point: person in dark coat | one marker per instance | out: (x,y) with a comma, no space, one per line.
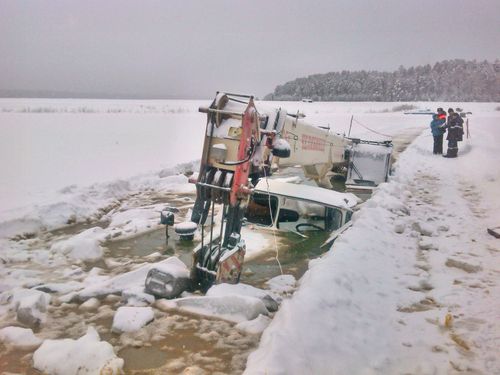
(455,133)
(437,133)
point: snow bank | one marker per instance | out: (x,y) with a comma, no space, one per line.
(86,355)
(409,288)
(47,189)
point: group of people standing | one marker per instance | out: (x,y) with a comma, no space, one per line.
(455,126)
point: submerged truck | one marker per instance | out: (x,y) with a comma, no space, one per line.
(243,147)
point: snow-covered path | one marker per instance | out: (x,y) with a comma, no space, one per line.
(413,286)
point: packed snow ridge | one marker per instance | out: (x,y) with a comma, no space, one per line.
(413,285)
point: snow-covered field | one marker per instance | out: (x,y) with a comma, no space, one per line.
(376,303)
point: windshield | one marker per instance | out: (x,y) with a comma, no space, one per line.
(262,209)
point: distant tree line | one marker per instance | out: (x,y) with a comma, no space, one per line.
(449,80)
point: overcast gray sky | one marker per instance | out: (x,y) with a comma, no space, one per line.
(192,48)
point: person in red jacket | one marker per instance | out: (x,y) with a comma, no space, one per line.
(441,114)
(437,132)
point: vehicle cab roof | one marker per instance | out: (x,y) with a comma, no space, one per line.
(307,192)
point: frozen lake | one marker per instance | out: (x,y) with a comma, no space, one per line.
(106,168)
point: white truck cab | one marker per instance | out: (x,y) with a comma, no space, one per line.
(298,208)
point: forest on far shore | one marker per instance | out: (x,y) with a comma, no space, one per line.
(448,80)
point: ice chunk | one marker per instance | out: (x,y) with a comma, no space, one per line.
(281,285)
(243,290)
(62,288)
(232,308)
(128,280)
(30,305)
(130,319)
(90,305)
(137,297)
(84,246)
(87,355)
(15,296)
(165,304)
(131,222)
(255,326)
(30,315)
(19,338)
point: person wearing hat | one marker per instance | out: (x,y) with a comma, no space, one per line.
(441,114)
(455,133)
(438,120)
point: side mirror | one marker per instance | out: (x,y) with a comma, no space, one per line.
(281,149)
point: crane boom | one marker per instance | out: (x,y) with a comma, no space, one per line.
(242,145)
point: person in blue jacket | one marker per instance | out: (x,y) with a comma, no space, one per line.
(437,132)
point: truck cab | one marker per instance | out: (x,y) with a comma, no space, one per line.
(284,206)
